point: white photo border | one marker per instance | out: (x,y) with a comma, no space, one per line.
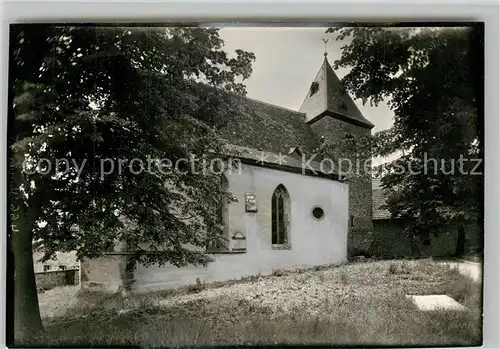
(286,13)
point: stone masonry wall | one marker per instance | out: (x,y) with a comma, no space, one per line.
(392,242)
(50,279)
(107,273)
(360,234)
(62,259)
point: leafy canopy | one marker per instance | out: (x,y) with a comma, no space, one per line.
(431,79)
(98,96)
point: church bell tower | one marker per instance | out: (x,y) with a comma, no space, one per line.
(333,115)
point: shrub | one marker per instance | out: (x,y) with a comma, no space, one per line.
(279,272)
(343,277)
(198,287)
(393,268)
(399,268)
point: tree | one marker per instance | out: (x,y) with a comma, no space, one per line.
(100,118)
(432,79)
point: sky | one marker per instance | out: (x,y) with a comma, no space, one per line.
(287,60)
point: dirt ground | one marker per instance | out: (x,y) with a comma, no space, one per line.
(289,289)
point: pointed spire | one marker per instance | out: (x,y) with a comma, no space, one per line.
(328,96)
(326,47)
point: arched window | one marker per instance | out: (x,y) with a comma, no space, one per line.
(280,206)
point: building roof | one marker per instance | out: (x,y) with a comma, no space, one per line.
(327,96)
(287,161)
(379,201)
(258,126)
(265,126)
(269,127)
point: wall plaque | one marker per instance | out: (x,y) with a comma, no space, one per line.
(250,202)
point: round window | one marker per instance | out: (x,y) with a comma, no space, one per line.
(318,212)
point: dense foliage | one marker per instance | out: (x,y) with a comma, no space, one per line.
(432,80)
(101,116)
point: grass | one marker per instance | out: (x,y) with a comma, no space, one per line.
(473,258)
(364,304)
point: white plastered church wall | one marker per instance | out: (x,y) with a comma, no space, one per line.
(313,242)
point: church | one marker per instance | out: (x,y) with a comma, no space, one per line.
(283,214)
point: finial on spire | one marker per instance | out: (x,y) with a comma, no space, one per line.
(326,43)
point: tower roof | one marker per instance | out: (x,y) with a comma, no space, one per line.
(328,96)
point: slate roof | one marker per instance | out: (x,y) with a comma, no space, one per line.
(257,126)
(379,201)
(287,161)
(331,98)
(264,126)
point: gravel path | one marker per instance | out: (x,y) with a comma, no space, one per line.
(55,302)
(469,269)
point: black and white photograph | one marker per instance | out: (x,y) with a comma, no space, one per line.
(192,184)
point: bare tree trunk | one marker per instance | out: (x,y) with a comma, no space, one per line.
(27,321)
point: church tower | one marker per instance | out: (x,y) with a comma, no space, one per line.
(333,116)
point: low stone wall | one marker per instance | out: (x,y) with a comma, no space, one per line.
(50,279)
(390,240)
(107,273)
